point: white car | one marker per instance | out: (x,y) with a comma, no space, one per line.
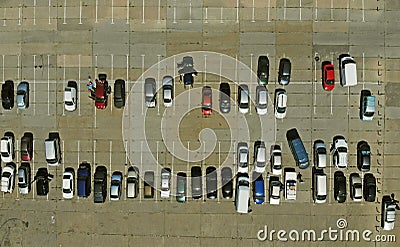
(319,154)
(7,147)
(243,98)
(165,182)
(339,152)
(243,157)
(260,161)
(280,103)
(274,191)
(70,96)
(355,187)
(8,177)
(261,100)
(68,183)
(388,213)
(276,160)
(168,90)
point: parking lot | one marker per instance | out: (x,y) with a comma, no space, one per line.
(48,43)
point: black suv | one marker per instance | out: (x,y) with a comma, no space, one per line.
(227,184)
(263,70)
(369,187)
(100,184)
(7,95)
(339,183)
(42,181)
(211,182)
(119,93)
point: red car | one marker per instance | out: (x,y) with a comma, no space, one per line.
(328,76)
(102,90)
(206,101)
(27,147)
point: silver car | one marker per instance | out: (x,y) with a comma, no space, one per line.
(261,100)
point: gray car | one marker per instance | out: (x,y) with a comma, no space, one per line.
(261,100)
(224,97)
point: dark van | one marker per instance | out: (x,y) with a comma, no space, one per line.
(84,180)
(100,184)
(297,147)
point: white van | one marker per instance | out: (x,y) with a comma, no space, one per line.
(348,70)
(319,186)
(242,199)
(52,151)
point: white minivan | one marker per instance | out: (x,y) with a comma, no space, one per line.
(242,199)
(52,151)
(319,186)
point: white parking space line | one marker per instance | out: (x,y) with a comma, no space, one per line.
(206,16)
(141,167)
(79,81)
(65,12)
(142,79)
(109,198)
(331,103)
(34,12)
(79,150)
(348,100)
(188,101)
(158,80)
(34,84)
(96,11)
(127,11)
(300,9)
(48,85)
(95,117)
(220,68)
(205,69)
(80,12)
(159,12)
(49,12)
(252,12)
(173,102)
(3,66)
(156,175)
(219,152)
(63,155)
(331,10)
(237,11)
(174,12)
(190,11)
(284,10)
(112,11)
(172,168)
(363,69)
(222,14)
(348,12)
(4,17)
(268,10)
(94,153)
(95,66)
(143,12)
(316,10)
(32,175)
(127,70)
(19,15)
(315,83)
(363,10)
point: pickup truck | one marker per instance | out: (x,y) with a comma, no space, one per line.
(290,184)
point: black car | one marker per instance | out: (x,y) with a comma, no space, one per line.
(369,187)
(7,95)
(339,183)
(100,184)
(197,184)
(181,187)
(119,93)
(227,183)
(263,70)
(363,156)
(24,178)
(42,181)
(211,182)
(224,97)
(285,68)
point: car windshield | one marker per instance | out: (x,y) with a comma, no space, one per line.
(342,149)
(281,109)
(100,100)
(69,103)
(330,82)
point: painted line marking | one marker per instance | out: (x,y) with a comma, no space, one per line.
(205,69)
(159,12)
(112,11)
(331,10)
(79,148)
(3,66)
(79,81)
(268,11)
(19,15)
(222,14)
(34,84)
(94,152)
(65,12)
(284,10)
(174,12)
(48,85)
(237,11)
(206,15)
(80,12)
(190,11)
(49,12)
(252,12)
(34,12)
(316,11)
(141,167)
(143,12)
(300,10)
(331,103)
(142,80)
(363,11)
(97,7)
(127,11)
(4,17)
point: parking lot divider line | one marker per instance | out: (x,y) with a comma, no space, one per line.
(222,14)
(3,65)
(65,12)
(284,10)
(363,11)
(190,11)
(143,12)
(80,12)
(112,12)
(127,12)
(237,12)
(206,15)
(34,12)
(268,10)
(49,12)
(252,13)
(4,17)
(19,15)
(94,153)
(48,85)
(96,11)
(300,10)
(348,12)
(159,12)
(174,21)
(34,84)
